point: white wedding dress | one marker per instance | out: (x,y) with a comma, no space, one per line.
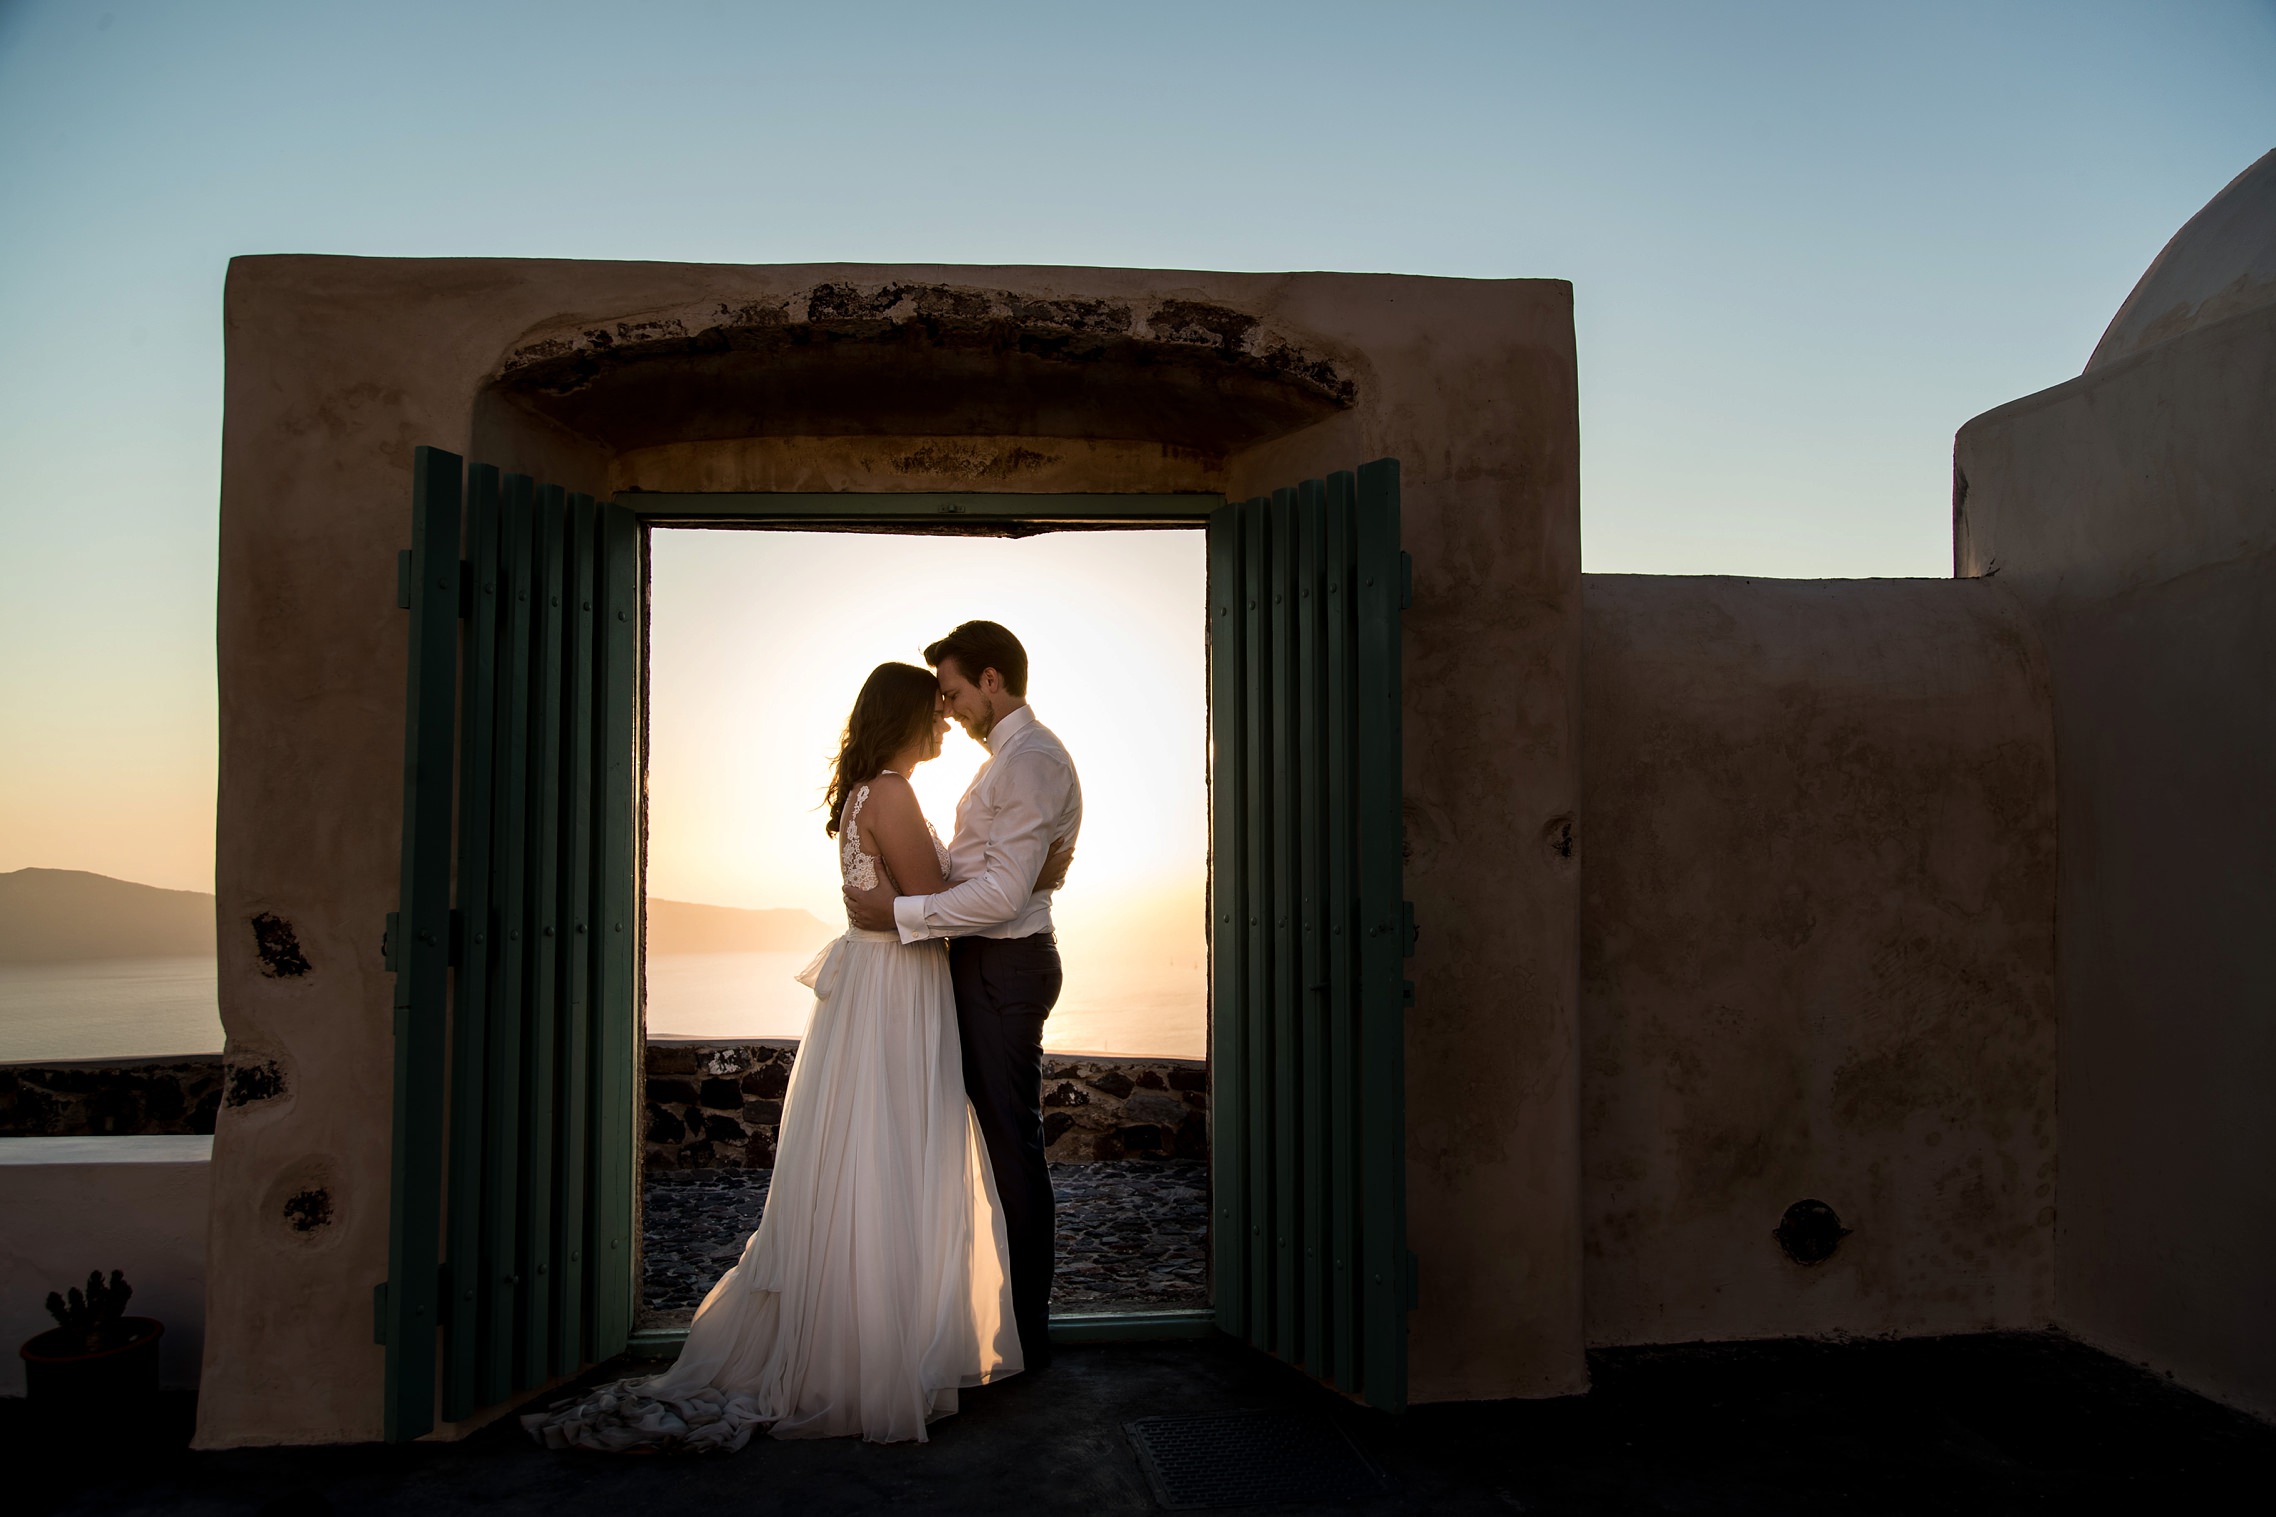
(877,1284)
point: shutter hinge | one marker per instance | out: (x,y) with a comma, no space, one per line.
(403,578)
(379,1313)
(465,590)
(1406,992)
(387,937)
(1406,580)
(1408,931)
(1412,1294)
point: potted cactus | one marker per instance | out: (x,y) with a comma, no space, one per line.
(95,1355)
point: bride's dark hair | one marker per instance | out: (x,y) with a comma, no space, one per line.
(894,709)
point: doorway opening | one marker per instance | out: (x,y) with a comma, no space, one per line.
(757,641)
(513,1230)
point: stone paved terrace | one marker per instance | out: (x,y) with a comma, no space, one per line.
(1132,1232)
(2000,1424)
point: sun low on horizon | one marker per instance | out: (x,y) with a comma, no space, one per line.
(759,641)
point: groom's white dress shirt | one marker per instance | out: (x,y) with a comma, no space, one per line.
(1024,798)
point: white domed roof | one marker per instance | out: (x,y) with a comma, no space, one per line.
(2222,263)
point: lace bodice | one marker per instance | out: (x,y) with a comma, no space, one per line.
(860,869)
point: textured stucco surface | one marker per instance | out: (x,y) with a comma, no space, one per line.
(608,376)
(2133,511)
(1817,956)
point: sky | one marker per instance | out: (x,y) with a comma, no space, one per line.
(1807,242)
(758,642)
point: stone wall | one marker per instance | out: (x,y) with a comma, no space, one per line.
(708,1105)
(718,1105)
(1106,1108)
(109,1098)
(715,1105)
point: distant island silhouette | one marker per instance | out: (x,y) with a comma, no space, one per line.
(67,915)
(685,927)
(59,915)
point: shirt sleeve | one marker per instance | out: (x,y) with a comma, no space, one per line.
(1031,794)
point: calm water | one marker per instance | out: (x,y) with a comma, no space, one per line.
(125,1008)
(112,1008)
(1159,1009)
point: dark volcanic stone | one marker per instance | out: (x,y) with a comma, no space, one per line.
(1139,1138)
(1129,1234)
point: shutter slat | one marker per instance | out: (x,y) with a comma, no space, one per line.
(470,1000)
(612,1253)
(1342,964)
(1308,847)
(573,1002)
(502,1115)
(1256,1005)
(1287,990)
(1382,1011)
(541,1027)
(1228,929)
(422,956)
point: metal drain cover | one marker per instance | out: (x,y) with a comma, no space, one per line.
(1250,1459)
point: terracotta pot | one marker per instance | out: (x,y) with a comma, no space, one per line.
(59,1373)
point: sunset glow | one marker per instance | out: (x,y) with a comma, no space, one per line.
(759,641)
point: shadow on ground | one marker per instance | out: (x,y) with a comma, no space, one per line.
(1993,1424)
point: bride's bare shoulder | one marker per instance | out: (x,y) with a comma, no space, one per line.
(891,796)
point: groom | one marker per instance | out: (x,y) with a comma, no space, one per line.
(1001,953)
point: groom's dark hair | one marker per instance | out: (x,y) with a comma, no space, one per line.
(983,645)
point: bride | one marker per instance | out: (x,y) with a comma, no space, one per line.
(877,1285)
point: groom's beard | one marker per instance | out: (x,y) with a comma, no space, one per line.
(978,727)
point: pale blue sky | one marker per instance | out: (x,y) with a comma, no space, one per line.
(1807,241)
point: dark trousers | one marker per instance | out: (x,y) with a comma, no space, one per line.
(1005,987)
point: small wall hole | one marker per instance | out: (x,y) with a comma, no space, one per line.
(277,946)
(308,1210)
(1810,1232)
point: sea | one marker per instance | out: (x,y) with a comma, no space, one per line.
(1151,1010)
(108,1009)
(139,1008)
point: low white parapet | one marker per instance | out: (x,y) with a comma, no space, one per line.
(70,1205)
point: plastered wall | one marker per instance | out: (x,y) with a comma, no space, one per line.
(1817,956)
(2133,512)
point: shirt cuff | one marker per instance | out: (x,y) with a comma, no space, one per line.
(909,916)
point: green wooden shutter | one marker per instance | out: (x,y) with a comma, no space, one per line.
(511,1254)
(1308,930)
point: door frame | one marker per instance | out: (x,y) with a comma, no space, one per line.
(919,513)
